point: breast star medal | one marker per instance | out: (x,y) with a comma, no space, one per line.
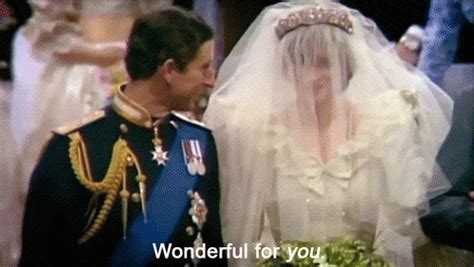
(159,155)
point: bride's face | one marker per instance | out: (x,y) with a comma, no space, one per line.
(317,79)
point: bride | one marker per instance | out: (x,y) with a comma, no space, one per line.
(325,132)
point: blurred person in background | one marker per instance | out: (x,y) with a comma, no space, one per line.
(13,14)
(66,60)
(442,38)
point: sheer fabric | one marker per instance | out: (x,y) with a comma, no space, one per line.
(328,132)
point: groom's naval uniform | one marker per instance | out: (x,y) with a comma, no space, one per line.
(106,190)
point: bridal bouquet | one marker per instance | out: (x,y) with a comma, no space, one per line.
(343,252)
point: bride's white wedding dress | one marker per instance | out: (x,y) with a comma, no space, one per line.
(368,190)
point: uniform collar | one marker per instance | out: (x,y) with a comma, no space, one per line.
(129,109)
(136,114)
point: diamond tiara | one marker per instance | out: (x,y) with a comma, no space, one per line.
(311,16)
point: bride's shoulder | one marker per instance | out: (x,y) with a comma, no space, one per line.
(388,116)
(392,106)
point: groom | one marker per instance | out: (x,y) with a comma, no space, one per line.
(137,174)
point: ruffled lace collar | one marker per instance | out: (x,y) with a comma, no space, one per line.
(293,161)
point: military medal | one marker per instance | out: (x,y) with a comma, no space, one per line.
(159,155)
(193,157)
(201,169)
(198,213)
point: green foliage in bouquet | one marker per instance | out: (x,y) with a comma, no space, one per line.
(342,252)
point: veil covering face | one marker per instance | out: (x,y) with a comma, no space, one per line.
(327,131)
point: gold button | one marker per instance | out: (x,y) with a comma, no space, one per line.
(136,197)
(129,161)
(123,128)
(190,230)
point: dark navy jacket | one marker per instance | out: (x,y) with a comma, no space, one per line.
(58,206)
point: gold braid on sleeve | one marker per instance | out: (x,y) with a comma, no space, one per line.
(116,175)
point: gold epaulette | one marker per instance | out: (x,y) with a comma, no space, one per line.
(114,183)
(72,126)
(189,119)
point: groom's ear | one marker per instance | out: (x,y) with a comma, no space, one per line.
(168,69)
